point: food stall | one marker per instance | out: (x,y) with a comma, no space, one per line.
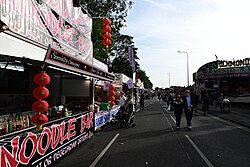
(56,44)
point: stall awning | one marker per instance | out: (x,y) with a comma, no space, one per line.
(66,62)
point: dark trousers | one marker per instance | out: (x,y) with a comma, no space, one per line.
(189,116)
(178,117)
(141,106)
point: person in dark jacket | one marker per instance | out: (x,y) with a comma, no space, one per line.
(205,103)
(128,109)
(142,98)
(178,110)
(188,105)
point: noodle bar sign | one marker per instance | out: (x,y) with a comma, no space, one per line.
(44,148)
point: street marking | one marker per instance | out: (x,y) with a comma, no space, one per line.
(104,151)
(199,151)
(172,118)
(231,123)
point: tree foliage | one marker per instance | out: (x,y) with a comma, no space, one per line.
(116,55)
(140,74)
(116,11)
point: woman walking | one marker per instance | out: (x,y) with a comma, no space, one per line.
(205,103)
(178,109)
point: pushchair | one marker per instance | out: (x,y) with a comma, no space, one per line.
(124,119)
(127,120)
(225,106)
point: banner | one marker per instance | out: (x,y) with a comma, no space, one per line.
(131,57)
(51,144)
(130,83)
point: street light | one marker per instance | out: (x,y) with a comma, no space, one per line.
(187,66)
(169,79)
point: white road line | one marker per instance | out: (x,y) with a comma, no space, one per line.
(172,118)
(104,151)
(199,151)
(231,123)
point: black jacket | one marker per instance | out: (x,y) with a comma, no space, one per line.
(185,104)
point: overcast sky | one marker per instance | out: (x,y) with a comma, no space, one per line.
(202,28)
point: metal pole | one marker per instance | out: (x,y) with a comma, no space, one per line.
(187,70)
(187,66)
(169,79)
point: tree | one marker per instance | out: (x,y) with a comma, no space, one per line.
(140,74)
(116,11)
(116,56)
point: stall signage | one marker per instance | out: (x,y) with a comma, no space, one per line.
(46,22)
(41,150)
(101,119)
(73,64)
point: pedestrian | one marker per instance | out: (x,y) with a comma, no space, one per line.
(122,99)
(205,103)
(196,98)
(178,110)
(129,109)
(142,98)
(170,102)
(188,105)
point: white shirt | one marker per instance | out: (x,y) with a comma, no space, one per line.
(122,100)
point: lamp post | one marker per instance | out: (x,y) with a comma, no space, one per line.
(187,66)
(169,79)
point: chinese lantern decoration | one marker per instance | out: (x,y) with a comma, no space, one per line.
(111,87)
(40,93)
(111,95)
(112,98)
(112,103)
(40,106)
(106,32)
(41,78)
(39,120)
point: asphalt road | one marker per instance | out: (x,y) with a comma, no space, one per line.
(154,141)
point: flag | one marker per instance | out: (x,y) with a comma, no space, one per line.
(131,57)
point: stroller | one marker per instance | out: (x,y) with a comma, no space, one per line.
(124,118)
(225,106)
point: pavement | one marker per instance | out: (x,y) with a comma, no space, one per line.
(240,114)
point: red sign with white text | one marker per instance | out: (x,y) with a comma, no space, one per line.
(52,143)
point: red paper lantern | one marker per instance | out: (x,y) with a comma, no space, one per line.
(106,42)
(112,93)
(111,87)
(41,78)
(39,119)
(111,103)
(41,92)
(106,35)
(112,98)
(106,28)
(40,106)
(106,21)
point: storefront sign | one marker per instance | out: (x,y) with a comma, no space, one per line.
(237,63)
(60,59)
(41,150)
(227,71)
(46,22)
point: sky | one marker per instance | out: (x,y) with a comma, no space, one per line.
(202,28)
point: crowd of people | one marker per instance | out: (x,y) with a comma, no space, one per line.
(178,104)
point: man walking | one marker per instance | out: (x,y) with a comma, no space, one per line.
(188,104)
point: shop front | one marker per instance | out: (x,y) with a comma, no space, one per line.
(53,38)
(232,78)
